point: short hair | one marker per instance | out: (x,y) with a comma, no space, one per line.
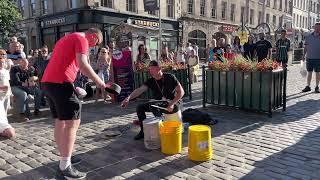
(317,23)
(283,30)
(97,32)
(2,51)
(44,46)
(154,63)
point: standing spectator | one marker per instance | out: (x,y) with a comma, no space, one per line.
(220,49)
(236,46)
(312,55)
(41,62)
(211,50)
(143,56)
(282,48)
(180,55)
(193,62)
(196,48)
(6,129)
(189,48)
(229,54)
(103,65)
(263,48)
(249,48)
(7,66)
(22,81)
(165,57)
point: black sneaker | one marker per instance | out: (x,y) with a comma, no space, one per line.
(70,173)
(139,136)
(75,160)
(316,90)
(306,89)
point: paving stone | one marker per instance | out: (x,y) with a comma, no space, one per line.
(13,172)
(12,160)
(5,167)
(22,167)
(191,171)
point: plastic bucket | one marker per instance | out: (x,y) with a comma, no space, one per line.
(151,133)
(171,137)
(199,143)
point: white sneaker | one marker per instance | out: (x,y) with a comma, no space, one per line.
(30,97)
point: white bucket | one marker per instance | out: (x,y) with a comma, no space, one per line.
(173,117)
(151,133)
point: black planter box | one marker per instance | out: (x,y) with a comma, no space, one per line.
(182,75)
(257,91)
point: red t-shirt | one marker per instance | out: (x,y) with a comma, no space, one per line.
(63,65)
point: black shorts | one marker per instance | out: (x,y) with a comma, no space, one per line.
(63,101)
(313,65)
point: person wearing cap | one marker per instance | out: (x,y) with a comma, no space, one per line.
(164,86)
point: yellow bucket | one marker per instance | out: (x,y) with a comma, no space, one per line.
(199,143)
(171,137)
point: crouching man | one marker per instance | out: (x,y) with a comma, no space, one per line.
(164,86)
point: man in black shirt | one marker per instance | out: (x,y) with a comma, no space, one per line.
(24,88)
(164,86)
(263,48)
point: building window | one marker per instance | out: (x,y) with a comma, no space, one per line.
(251,21)
(33,7)
(268,18)
(286,6)
(199,38)
(233,7)
(170,7)
(44,6)
(280,7)
(274,4)
(274,20)
(131,5)
(22,7)
(202,7)
(72,4)
(214,8)
(242,13)
(259,17)
(223,10)
(107,3)
(268,3)
(280,21)
(190,6)
(152,12)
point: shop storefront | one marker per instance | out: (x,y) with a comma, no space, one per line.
(138,29)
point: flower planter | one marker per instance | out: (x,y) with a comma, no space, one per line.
(182,75)
(257,91)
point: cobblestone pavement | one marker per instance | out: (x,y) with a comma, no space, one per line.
(246,145)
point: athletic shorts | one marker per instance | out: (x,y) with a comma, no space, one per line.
(313,65)
(63,101)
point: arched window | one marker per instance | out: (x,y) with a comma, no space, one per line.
(198,38)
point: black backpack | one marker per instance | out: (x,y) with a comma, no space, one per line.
(194,116)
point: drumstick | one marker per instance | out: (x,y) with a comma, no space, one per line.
(159,107)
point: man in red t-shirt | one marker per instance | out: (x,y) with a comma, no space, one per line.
(68,57)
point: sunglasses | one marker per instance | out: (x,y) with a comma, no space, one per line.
(103,52)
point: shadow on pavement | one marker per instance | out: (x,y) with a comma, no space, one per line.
(299,161)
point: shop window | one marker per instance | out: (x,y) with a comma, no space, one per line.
(131,5)
(199,38)
(152,12)
(202,7)
(107,3)
(32,7)
(170,8)
(190,6)
(214,8)
(44,6)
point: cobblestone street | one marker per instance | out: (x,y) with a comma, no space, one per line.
(246,145)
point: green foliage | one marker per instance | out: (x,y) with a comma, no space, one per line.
(9,15)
